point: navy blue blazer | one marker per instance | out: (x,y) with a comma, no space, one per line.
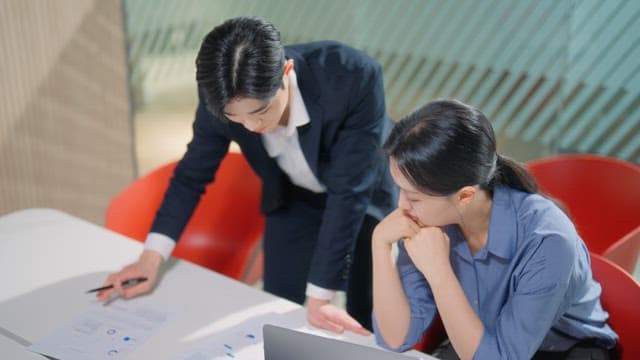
(343,91)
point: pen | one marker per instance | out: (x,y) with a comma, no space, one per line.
(126,283)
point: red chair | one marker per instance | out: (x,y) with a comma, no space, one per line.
(625,251)
(601,194)
(226,229)
(621,298)
(433,337)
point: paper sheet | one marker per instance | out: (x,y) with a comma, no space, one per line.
(106,331)
(244,341)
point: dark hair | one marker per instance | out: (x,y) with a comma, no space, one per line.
(241,58)
(446,145)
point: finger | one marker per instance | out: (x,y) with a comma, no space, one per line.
(412,223)
(136,290)
(331,326)
(410,232)
(104,294)
(360,331)
(407,227)
(324,323)
(349,323)
(117,286)
(129,272)
(355,327)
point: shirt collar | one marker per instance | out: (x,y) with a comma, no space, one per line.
(298,115)
(503,224)
(502,229)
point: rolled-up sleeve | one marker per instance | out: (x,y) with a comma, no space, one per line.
(540,283)
(418,293)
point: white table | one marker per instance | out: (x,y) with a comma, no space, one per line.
(49,258)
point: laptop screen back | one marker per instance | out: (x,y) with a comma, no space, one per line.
(286,344)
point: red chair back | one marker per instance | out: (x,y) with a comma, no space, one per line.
(226,228)
(621,298)
(625,251)
(433,337)
(601,194)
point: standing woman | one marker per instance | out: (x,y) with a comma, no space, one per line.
(501,264)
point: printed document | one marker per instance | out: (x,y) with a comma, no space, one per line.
(106,331)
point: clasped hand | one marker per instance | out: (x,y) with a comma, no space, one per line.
(427,246)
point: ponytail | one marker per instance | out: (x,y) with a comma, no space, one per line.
(512,174)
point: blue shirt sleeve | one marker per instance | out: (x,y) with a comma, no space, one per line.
(540,281)
(418,293)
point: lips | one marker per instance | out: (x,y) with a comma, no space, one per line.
(415,219)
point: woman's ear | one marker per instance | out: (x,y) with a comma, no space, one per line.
(466,194)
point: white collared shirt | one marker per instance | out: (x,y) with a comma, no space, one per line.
(283,145)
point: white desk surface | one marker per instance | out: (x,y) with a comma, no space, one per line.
(49,258)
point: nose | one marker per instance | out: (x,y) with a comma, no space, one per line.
(403,203)
(252,124)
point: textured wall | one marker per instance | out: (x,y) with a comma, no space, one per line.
(65,118)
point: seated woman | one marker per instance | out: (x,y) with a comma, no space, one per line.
(502,265)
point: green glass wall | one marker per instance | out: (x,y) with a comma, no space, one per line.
(553,76)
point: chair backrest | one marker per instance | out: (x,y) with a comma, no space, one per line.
(226,228)
(621,298)
(433,337)
(601,194)
(625,251)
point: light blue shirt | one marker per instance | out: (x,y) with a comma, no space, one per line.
(531,285)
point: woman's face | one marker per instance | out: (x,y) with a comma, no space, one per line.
(426,210)
(262,116)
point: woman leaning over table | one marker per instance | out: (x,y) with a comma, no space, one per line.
(501,264)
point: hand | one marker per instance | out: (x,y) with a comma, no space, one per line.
(147,266)
(322,314)
(397,225)
(429,251)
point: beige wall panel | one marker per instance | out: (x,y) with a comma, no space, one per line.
(65,117)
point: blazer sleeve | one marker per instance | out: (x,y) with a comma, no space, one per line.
(194,171)
(353,171)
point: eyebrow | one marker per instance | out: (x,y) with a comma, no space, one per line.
(266,105)
(407,191)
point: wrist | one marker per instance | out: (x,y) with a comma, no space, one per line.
(445,276)
(151,257)
(382,240)
(381,246)
(314,303)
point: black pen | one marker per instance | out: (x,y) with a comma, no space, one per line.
(126,283)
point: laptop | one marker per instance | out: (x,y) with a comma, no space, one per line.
(286,344)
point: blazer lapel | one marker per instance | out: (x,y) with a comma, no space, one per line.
(273,179)
(309,134)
